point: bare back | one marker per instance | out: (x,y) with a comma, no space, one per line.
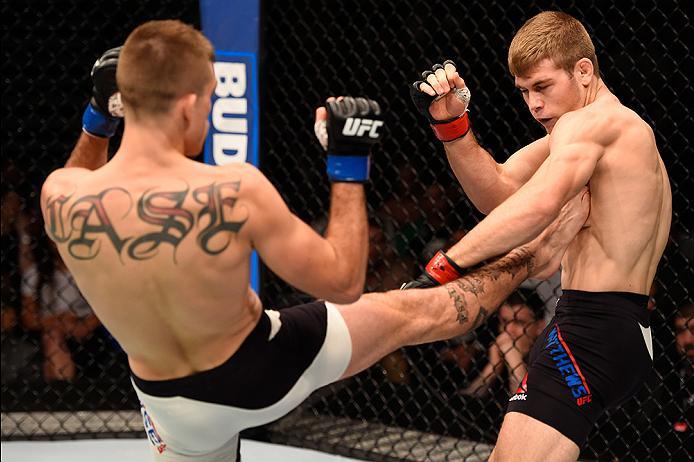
(631,207)
(162,256)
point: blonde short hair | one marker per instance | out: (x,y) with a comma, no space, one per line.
(550,35)
(160,62)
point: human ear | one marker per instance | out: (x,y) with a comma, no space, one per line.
(584,70)
(187,105)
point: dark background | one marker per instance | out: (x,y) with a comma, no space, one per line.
(376,48)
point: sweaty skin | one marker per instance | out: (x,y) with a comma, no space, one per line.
(592,140)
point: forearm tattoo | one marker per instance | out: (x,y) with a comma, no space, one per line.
(85,224)
(517,261)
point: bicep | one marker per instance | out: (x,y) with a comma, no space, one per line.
(569,168)
(574,154)
(523,164)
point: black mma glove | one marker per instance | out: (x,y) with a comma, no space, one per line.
(445,130)
(352,127)
(104,111)
(439,271)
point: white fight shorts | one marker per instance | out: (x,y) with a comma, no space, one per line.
(289,354)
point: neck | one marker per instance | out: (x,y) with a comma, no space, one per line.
(150,141)
(595,89)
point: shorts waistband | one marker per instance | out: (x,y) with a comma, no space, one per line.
(200,380)
(618,303)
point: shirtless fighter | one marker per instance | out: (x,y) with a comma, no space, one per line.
(597,350)
(159,245)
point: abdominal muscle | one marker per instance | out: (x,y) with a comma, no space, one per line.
(585,268)
(623,240)
(593,266)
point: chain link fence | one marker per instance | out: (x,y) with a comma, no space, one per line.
(63,375)
(56,357)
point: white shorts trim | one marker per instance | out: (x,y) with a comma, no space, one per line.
(200,431)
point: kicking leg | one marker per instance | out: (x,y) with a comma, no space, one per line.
(382,322)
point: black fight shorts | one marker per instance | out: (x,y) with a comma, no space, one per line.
(594,354)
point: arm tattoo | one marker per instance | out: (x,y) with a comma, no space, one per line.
(87,224)
(481,316)
(511,263)
(474,283)
(459,303)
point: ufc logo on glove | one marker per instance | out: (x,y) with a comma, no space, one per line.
(358,127)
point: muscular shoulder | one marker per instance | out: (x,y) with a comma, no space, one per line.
(253,186)
(601,122)
(588,124)
(251,178)
(64,181)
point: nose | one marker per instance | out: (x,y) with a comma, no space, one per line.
(535,102)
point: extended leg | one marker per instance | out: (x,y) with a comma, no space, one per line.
(381,323)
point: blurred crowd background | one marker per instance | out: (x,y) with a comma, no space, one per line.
(55,354)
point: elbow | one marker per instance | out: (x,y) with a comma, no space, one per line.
(345,299)
(347,291)
(346,295)
(486,203)
(486,208)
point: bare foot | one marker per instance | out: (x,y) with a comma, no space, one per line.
(549,247)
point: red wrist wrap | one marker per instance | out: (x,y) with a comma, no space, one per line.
(441,270)
(456,128)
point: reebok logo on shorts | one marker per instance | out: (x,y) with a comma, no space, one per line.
(522,390)
(151,431)
(568,368)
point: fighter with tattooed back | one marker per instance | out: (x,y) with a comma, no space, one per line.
(160,245)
